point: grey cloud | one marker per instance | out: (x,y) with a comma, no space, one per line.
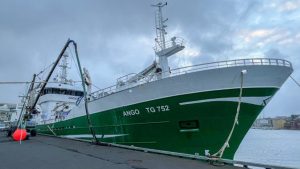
(274,53)
(33,32)
(214,23)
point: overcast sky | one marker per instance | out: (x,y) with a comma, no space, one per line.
(116,37)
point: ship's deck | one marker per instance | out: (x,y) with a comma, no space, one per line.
(43,152)
(128,82)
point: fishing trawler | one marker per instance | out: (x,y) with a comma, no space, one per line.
(204,109)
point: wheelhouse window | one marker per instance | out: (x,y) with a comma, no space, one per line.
(62,91)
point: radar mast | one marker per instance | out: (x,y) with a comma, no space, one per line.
(164,49)
(63,71)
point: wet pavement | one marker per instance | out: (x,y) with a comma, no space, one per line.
(44,152)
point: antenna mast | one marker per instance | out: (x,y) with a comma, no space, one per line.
(64,67)
(164,49)
(160,25)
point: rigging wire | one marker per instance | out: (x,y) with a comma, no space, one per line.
(74,62)
(42,71)
(96,86)
(72,56)
(297,83)
(26,82)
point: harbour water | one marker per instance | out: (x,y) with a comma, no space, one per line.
(276,147)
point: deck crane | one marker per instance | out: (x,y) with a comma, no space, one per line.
(29,106)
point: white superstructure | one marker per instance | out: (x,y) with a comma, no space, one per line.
(58,98)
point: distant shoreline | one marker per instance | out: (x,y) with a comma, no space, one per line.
(267,128)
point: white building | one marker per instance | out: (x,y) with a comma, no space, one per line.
(6,111)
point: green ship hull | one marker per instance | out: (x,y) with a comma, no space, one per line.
(190,123)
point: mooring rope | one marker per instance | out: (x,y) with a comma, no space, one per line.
(51,130)
(219,154)
(297,83)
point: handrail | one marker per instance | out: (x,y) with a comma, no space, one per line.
(103,92)
(188,69)
(244,61)
(231,63)
(169,43)
(125,77)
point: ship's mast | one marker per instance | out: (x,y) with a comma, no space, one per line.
(160,26)
(64,66)
(163,48)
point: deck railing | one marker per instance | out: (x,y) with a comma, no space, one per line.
(230,63)
(123,83)
(177,41)
(103,92)
(126,77)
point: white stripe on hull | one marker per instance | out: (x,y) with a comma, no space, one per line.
(251,100)
(91,136)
